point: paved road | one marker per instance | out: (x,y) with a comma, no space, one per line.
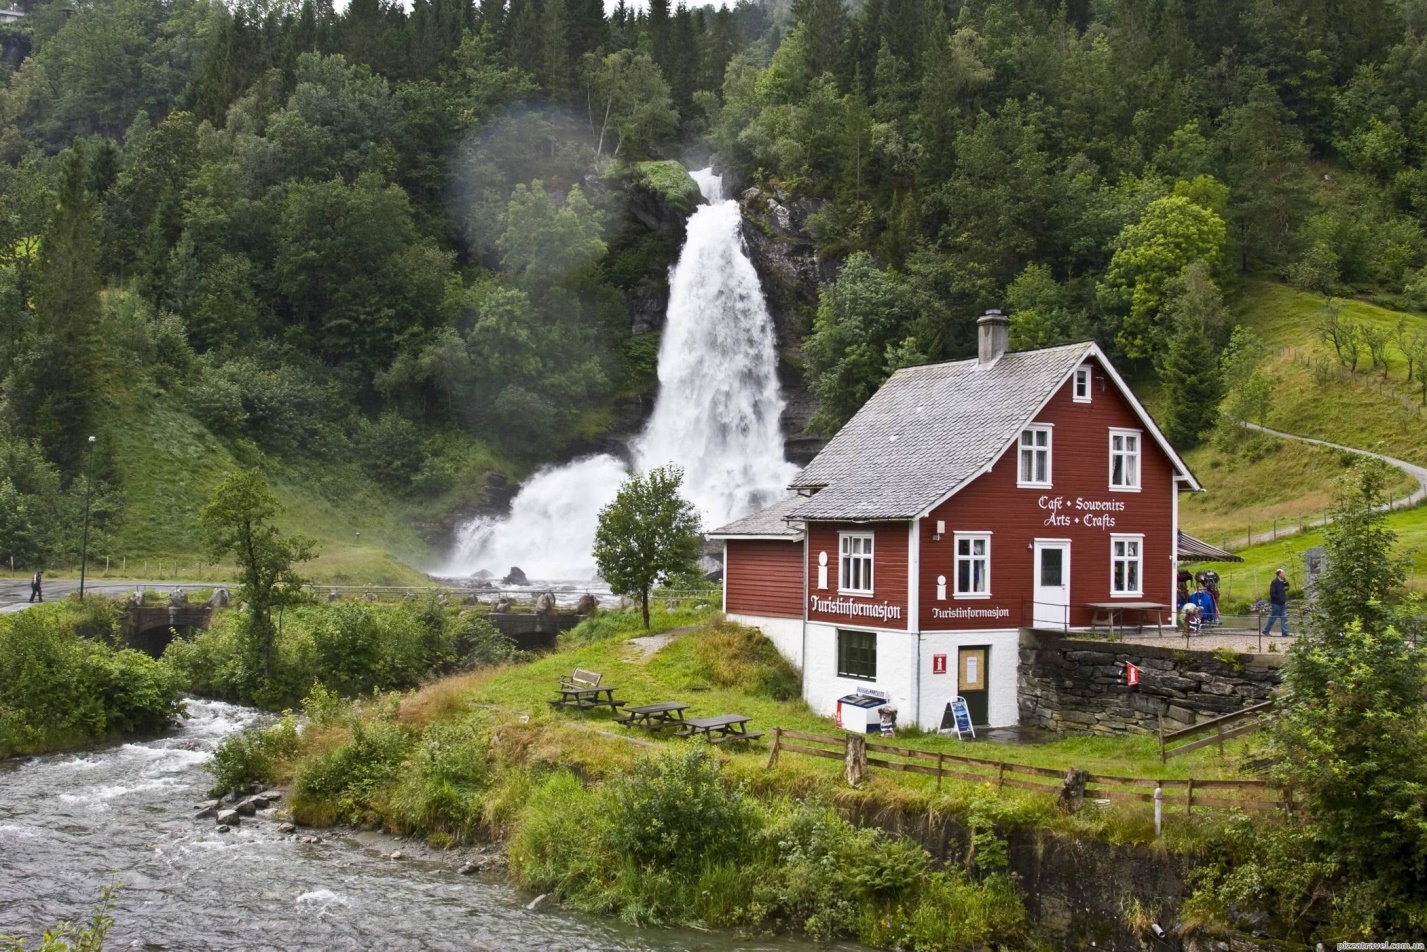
(1418,473)
(15,593)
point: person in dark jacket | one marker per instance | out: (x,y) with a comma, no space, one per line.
(1277,603)
(36,593)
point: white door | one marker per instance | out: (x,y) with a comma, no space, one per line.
(1052,583)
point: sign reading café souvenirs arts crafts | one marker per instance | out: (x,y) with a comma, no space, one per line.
(1078,511)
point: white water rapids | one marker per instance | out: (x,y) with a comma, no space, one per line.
(717,417)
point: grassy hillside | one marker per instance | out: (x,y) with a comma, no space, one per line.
(1318,397)
(168,463)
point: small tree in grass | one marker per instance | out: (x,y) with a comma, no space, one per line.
(237,522)
(648,534)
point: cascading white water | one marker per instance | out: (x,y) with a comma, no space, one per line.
(717,416)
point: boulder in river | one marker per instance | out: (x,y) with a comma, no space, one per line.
(228,818)
(287,827)
(271,796)
(260,803)
(515,577)
(246,808)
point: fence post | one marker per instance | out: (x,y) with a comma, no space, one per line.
(1158,808)
(1219,729)
(1000,777)
(1189,803)
(854,759)
(939,758)
(1162,757)
(773,750)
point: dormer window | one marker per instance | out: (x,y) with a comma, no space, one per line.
(1082,384)
(1034,448)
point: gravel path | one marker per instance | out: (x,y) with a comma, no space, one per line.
(1418,473)
(1245,640)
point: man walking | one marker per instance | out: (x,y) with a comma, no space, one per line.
(36,594)
(1277,603)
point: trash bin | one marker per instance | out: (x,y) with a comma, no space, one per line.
(859,712)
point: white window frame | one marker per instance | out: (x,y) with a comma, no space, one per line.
(1138,560)
(1082,378)
(958,558)
(1049,432)
(1138,456)
(845,541)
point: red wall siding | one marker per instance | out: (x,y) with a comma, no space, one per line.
(1080,460)
(763,577)
(889,572)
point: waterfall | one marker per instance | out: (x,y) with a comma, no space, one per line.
(717,416)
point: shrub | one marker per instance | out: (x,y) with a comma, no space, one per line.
(675,811)
(58,689)
(345,783)
(481,644)
(252,755)
(440,786)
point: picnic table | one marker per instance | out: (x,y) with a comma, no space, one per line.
(654,717)
(1107,613)
(586,697)
(717,730)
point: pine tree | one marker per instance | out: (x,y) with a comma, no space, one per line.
(1192,387)
(660,29)
(522,41)
(554,71)
(492,17)
(55,387)
(588,33)
(824,26)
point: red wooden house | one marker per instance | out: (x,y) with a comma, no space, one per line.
(964,501)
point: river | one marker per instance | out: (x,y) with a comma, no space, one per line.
(72,823)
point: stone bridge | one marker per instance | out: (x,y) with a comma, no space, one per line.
(150,628)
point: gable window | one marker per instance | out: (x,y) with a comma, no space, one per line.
(1125,459)
(855,567)
(857,655)
(1034,457)
(973,564)
(1082,385)
(1127,564)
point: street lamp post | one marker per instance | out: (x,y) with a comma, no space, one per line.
(88,489)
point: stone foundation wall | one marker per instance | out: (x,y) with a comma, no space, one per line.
(1073,685)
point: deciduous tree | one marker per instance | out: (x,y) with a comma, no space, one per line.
(647,535)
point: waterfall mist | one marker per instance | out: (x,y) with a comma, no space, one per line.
(717,416)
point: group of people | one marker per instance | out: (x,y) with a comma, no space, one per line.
(1201,606)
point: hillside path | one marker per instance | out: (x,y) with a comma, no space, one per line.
(1419,473)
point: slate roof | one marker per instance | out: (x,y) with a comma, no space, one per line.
(769,523)
(931,429)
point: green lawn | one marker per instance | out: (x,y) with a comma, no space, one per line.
(675,673)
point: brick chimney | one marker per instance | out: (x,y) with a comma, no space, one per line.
(993,333)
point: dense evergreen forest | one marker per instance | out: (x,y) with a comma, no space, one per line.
(399,236)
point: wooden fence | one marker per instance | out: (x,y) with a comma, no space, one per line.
(859,754)
(1219,729)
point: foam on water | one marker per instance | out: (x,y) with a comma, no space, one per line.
(717,416)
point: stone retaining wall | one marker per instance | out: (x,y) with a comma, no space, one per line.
(1073,685)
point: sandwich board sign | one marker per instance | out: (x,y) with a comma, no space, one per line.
(957,717)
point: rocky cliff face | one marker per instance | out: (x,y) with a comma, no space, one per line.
(782,251)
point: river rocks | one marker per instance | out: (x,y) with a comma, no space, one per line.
(537,902)
(501,606)
(396,854)
(206,813)
(515,577)
(271,796)
(245,808)
(545,603)
(258,803)
(228,818)
(287,827)
(587,605)
(224,828)
(467,869)
(312,840)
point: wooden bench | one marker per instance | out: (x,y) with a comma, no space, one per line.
(581,679)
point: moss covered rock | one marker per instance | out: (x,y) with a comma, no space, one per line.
(672,182)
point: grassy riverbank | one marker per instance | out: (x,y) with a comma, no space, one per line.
(679,832)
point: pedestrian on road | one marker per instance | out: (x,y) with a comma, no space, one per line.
(36,594)
(1277,603)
